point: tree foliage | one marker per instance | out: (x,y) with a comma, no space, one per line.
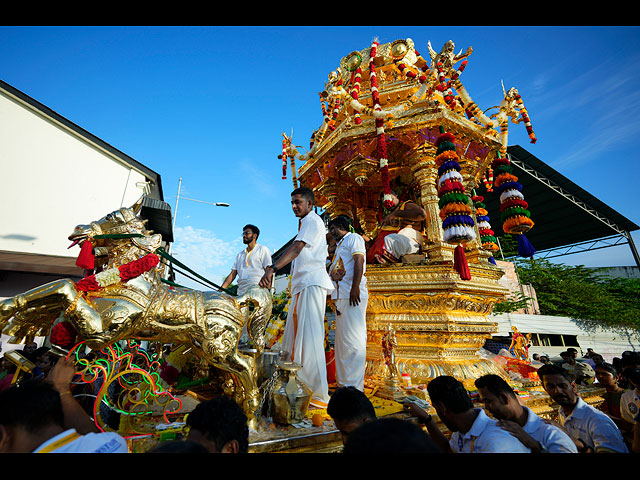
(590,296)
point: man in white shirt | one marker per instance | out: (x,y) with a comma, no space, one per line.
(350,296)
(250,262)
(501,401)
(472,430)
(303,338)
(591,429)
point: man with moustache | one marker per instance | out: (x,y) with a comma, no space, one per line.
(591,429)
(303,338)
(501,401)
(250,262)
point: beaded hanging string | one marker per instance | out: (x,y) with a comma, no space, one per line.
(514,210)
(454,203)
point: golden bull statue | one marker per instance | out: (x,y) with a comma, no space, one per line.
(109,306)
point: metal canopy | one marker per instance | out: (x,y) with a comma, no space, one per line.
(567,218)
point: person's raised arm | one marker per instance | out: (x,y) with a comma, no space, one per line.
(61,376)
(287,257)
(425,419)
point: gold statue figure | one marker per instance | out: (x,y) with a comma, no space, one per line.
(144,307)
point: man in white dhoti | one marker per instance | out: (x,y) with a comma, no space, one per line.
(303,338)
(350,296)
(250,262)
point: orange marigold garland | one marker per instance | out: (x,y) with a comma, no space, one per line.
(457,222)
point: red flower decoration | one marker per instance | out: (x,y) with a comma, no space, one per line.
(64,335)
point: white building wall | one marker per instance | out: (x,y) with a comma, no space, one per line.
(51,179)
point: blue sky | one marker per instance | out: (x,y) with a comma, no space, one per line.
(209,105)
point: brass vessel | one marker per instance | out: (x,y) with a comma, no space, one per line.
(289,397)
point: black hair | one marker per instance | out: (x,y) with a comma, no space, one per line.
(495,384)
(253,228)
(342,222)
(632,375)
(221,420)
(631,359)
(554,370)
(40,352)
(389,435)
(607,367)
(349,403)
(450,392)
(32,404)
(179,446)
(306,193)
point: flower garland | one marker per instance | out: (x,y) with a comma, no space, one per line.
(123,273)
(445,87)
(514,210)
(487,179)
(525,117)
(64,335)
(455,211)
(379,120)
(356,79)
(487,235)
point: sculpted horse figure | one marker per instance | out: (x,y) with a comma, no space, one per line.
(126,299)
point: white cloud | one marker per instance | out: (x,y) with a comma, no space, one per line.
(205,253)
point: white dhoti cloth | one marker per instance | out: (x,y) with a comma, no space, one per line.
(351,343)
(405,242)
(303,340)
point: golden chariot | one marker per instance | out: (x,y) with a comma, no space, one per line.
(390,94)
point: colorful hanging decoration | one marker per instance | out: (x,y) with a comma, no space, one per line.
(454,203)
(487,180)
(356,79)
(487,235)
(514,210)
(525,118)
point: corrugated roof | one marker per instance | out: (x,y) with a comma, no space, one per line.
(563,212)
